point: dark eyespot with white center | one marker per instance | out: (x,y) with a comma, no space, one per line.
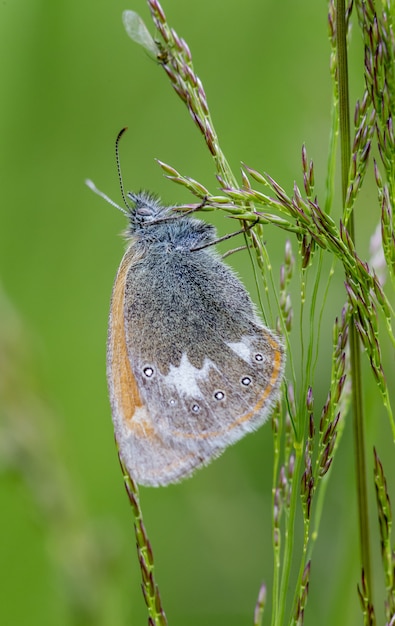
(195,408)
(259,357)
(148,372)
(246,381)
(219,395)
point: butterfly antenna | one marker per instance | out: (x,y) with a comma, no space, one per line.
(118,160)
(105,197)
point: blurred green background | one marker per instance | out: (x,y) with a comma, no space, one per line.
(71,79)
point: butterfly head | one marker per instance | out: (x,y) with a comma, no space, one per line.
(145,209)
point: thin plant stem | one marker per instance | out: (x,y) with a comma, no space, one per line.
(150,589)
(277,434)
(290,534)
(358,418)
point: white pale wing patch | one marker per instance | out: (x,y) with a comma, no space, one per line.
(246,350)
(185,378)
(242,349)
(141,418)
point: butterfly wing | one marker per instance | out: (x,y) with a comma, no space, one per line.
(206,368)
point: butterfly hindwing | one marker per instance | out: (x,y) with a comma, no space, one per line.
(210,378)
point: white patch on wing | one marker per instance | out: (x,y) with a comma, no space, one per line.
(242,348)
(140,415)
(140,418)
(185,378)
